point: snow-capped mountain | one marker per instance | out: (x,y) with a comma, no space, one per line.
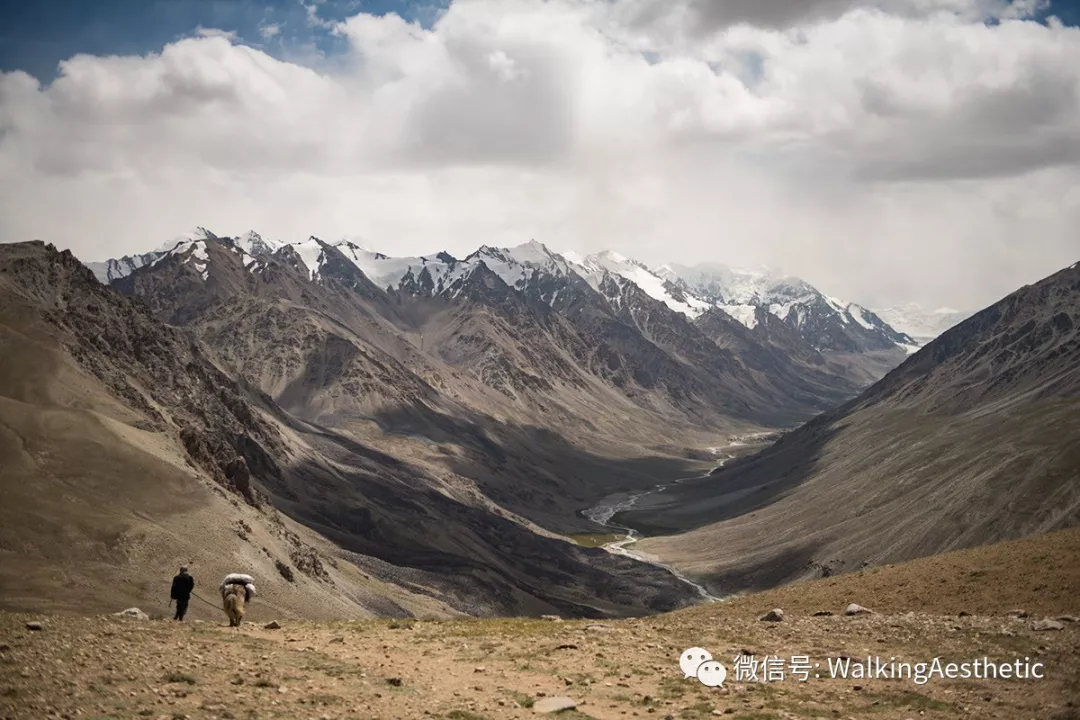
(593,268)
(255,244)
(921,324)
(442,273)
(116,268)
(828,323)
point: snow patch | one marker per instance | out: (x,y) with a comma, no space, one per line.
(310,253)
(593,268)
(858,314)
(745,314)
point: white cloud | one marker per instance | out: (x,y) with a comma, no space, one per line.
(313,18)
(269,30)
(201,31)
(894,151)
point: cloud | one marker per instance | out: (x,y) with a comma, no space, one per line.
(874,150)
(313,18)
(269,31)
(201,31)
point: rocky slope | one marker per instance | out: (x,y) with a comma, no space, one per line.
(973,439)
(127,450)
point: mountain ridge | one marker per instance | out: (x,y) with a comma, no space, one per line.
(736,292)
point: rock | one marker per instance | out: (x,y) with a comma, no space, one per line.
(272,625)
(551,618)
(1048,624)
(134,613)
(1017,613)
(1067,618)
(774,615)
(963,613)
(479,669)
(394,682)
(856,609)
(553,705)
(824,613)
(36,626)
(338,640)
(600,628)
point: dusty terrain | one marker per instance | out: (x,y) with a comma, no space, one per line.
(108,667)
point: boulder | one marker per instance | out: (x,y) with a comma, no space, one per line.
(1047,624)
(774,615)
(272,625)
(546,706)
(856,609)
(36,626)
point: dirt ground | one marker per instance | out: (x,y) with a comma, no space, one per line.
(960,607)
(108,667)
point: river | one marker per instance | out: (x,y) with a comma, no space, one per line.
(603,512)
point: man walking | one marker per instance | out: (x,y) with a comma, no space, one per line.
(182,585)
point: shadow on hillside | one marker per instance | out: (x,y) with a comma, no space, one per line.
(742,487)
(535,471)
(757,576)
(466,555)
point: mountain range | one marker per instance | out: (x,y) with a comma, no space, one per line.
(401,432)
(383,435)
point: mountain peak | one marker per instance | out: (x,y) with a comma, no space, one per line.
(199,233)
(612,256)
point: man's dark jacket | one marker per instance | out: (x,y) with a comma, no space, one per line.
(182,585)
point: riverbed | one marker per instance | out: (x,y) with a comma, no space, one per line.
(603,512)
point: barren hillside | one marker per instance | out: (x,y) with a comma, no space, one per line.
(127,451)
(974,439)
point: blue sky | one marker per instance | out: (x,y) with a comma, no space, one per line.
(35,36)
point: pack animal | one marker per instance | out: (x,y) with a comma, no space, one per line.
(234,598)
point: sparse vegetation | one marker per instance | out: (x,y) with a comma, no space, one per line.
(285,571)
(176,677)
(464,715)
(595,539)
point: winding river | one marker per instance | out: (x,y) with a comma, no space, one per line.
(603,512)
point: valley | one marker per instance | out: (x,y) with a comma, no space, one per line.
(375,436)
(488,359)
(438,424)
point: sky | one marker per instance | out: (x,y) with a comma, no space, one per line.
(887,151)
